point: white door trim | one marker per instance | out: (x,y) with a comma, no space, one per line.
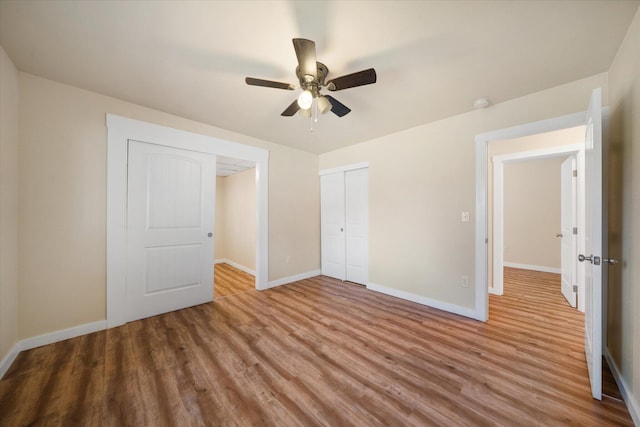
(498,202)
(119,131)
(346,168)
(481,142)
(327,268)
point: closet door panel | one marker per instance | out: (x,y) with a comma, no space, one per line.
(357,225)
(332,201)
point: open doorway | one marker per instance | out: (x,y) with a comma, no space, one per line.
(525,215)
(235,227)
(595,122)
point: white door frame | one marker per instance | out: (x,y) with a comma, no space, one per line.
(344,169)
(498,202)
(119,131)
(482,238)
(482,141)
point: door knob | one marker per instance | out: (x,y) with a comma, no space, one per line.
(210,235)
(558,234)
(595,260)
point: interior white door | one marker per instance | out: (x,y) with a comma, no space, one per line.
(357,229)
(593,243)
(567,223)
(170,218)
(332,218)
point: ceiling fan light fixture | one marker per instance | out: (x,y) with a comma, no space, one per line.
(305,100)
(305,113)
(312,76)
(323,104)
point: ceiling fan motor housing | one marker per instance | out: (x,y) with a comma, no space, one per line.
(313,85)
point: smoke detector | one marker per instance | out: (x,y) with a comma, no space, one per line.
(481,103)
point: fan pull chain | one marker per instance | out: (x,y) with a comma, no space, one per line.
(314,114)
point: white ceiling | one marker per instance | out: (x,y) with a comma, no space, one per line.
(226,166)
(433,58)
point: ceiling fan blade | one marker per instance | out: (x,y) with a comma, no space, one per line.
(268,83)
(337,107)
(361,78)
(291,109)
(306,53)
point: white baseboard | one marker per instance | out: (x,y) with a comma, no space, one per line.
(236,265)
(9,358)
(291,279)
(50,338)
(445,306)
(493,291)
(533,267)
(632,403)
(64,334)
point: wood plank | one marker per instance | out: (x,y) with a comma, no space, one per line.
(320,352)
(229,280)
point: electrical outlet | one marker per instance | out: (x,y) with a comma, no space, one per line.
(464,281)
(464,216)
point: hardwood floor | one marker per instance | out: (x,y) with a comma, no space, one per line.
(319,352)
(229,280)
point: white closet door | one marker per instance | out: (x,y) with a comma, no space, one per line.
(332,202)
(357,229)
(170,218)
(567,222)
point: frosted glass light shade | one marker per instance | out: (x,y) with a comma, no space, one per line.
(305,99)
(323,104)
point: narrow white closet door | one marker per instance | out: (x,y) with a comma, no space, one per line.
(567,222)
(332,202)
(357,225)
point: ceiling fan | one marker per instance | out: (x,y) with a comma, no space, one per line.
(312,77)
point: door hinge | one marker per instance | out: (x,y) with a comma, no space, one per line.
(575,288)
(575,230)
(575,173)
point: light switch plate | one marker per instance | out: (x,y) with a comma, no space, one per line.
(464,217)
(464,281)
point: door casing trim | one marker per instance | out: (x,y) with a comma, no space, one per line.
(498,200)
(481,165)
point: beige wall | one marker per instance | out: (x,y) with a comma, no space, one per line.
(532,212)
(219,233)
(8,204)
(624,212)
(62,184)
(295,235)
(518,145)
(236,218)
(421,179)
